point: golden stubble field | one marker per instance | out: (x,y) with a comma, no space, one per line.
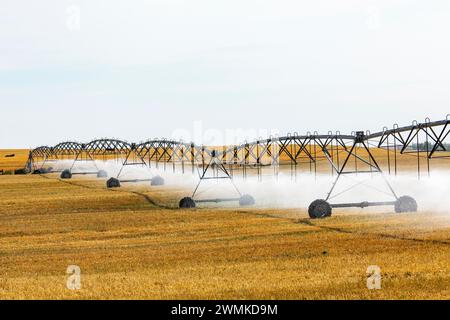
(11,159)
(134,243)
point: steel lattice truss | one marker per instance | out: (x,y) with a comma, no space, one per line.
(435,135)
(290,149)
(102,147)
(66,149)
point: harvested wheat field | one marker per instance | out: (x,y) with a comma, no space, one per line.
(12,159)
(135,243)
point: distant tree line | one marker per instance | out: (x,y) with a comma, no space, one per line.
(423,146)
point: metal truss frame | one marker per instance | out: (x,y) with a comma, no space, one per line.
(293,150)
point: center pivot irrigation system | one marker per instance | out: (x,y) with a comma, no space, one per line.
(345,155)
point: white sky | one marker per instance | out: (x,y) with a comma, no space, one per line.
(217,71)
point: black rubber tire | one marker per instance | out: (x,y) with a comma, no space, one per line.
(102,174)
(157,181)
(319,209)
(405,204)
(66,174)
(246,200)
(187,203)
(113,183)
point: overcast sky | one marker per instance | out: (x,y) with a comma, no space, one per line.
(214,70)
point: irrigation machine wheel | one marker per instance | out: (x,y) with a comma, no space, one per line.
(405,204)
(319,209)
(157,181)
(66,174)
(102,174)
(113,183)
(187,203)
(246,200)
